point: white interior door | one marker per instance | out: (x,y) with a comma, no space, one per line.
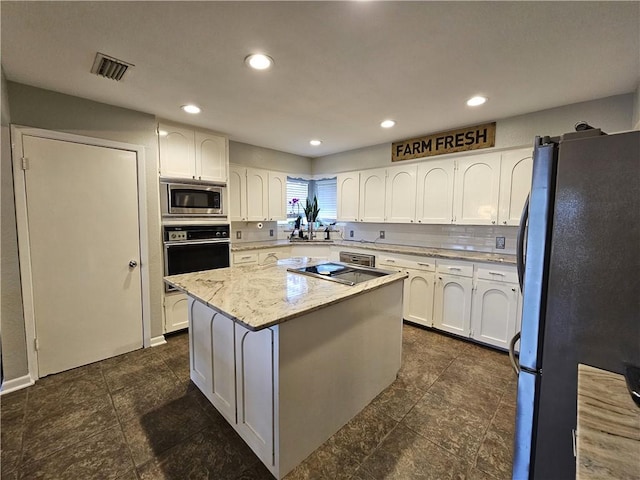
(82,215)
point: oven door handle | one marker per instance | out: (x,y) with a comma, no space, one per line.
(196,242)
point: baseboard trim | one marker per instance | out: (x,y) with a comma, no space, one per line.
(157,341)
(16,384)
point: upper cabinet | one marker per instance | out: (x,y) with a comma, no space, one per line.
(257,195)
(476,191)
(348,196)
(515,184)
(400,202)
(372,195)
(191,154)
(435,192)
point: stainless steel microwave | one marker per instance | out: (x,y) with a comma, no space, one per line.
(186,199)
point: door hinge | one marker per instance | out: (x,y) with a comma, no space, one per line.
(35,344)
(25,163)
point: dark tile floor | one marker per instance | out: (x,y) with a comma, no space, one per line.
(449,414)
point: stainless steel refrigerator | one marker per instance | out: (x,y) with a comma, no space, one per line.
(581,287)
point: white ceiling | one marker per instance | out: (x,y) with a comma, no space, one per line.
(340,67)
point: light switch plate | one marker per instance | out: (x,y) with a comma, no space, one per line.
(381,234)
(271,232)
(239,235)
(350,233)
(500,243)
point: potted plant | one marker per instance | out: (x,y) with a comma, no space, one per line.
(311,211)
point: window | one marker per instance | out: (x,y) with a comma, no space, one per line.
(302,189)
(296,188)
(326,191)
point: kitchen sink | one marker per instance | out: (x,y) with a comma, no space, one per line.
(341,273)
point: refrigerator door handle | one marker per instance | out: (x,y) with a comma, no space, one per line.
(515,364)
(520,253)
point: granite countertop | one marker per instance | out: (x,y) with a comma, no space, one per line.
(388,248)
(608,433)
(262,296)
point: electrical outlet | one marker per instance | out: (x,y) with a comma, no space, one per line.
(381,234)
(350,233)
(271,232)
(239,235)
(500,243)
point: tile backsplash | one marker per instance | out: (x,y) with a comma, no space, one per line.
(477,238)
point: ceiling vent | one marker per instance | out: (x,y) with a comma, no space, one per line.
(109,67)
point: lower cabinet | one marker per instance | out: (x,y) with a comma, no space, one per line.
(175,312)
(418,297)
(233,367)
(494,312)
(452,304)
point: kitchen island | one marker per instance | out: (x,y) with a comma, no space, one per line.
(289,359)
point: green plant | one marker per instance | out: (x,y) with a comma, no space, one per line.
(311,209)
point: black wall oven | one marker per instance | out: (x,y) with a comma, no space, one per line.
(193,248)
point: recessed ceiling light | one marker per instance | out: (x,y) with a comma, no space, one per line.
(190,108)
(475,101)
(388,123)
(315,143)
(163,133)
(259,61)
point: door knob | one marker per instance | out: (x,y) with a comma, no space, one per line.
(133,264)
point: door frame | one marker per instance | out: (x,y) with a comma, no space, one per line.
(24,255)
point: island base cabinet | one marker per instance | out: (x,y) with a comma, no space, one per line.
(494,313)
(288,388)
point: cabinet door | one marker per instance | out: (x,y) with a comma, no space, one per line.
(435,192)
(477,183)
(348,196)
(257,194)
(452,304)
(277,196)
(494,313)
(211,157)
(400,203)
(176,313)
(200,348)
(418,297)
(177,157)
(515,183)
(237,193)
(223,382)
(255,390)
(372,195)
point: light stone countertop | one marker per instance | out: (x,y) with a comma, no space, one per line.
(608,433)
(262,296)
(388,248)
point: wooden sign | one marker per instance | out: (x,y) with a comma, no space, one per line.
(463,139)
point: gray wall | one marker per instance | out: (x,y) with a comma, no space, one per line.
(636,109)
(259,157)
(49,110)
(14,353)
(612,114)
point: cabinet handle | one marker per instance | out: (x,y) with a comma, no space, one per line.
(454,268)
(245,258)
(390,261)
(194,177)
(439,278)
(424,264)
(493,222)
(504,222)
(411,221)
(513,289)
(419,221)
(497,273)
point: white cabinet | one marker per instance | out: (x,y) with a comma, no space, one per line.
(435,192)
(223,381)
(255,390)
(257,195)
(400,204)
(237,193)
(515,183)
(348,196)
(176,315)
(192,154)
(494,312)
(452,297)
(477,186)
(277,204)
(419,290)
(200,346)
(245,258)
(372,195)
